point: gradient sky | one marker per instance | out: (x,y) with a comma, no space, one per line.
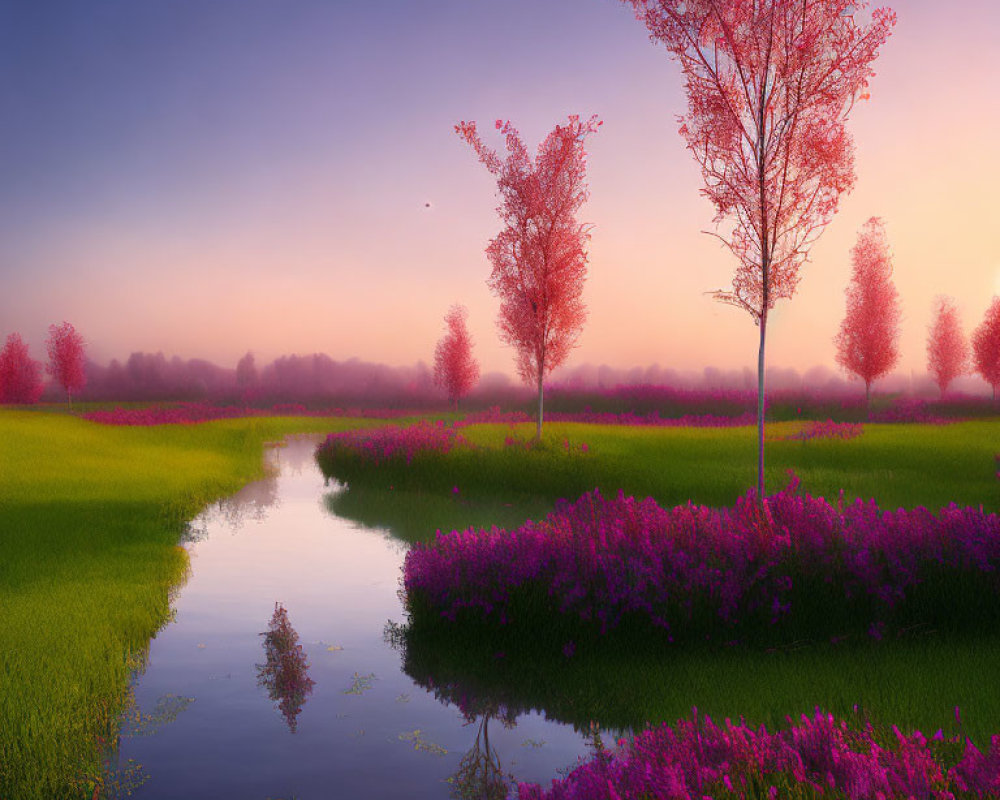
(207,178)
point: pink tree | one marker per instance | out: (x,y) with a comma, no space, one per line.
(66,359)
(867,342)
(769,85)
(20,374)
(455,370)
(947,350)
(986,346)
(539,261)
(246,372)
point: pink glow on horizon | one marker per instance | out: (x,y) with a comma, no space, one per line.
(321,240)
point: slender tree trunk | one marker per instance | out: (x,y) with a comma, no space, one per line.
(760,409)
(69,399)
(868,397)
(538,431)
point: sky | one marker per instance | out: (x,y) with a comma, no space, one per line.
(211,178)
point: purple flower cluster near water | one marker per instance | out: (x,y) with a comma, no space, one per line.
(820,756)
(827,429)
(190,413)
(393,442)
(695,570)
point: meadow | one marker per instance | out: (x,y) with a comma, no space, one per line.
(93,516)
(91,519)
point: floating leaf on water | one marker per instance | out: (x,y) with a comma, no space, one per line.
(361,683)
(420,743)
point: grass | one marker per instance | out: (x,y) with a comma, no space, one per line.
(905,465)
(914,682)
(91,516)
(416,516)
(90,520)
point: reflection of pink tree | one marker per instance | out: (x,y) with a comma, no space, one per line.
(480,775)
(285,672)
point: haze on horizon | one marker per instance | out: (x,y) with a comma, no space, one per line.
(211,179)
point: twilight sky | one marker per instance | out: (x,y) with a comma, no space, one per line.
(207,178)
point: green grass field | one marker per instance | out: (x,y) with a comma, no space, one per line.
(899,465)
(91,517)
(90,521)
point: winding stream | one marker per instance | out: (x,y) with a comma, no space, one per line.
(225,709)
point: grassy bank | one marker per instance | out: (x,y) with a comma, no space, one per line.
(914,682)
(90,519)
(904,465)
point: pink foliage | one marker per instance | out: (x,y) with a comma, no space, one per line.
(285,671)
(947,349)
(867,342)
(538,258)
(455,370)
(66,358)
(20,374)
(769,88)
(986,346)
(769,85)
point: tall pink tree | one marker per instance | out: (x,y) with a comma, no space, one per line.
(67,364)
(867,344)
(769,84)
(947,349)
(455,370)
(20,374)
(986,346)
(539,258)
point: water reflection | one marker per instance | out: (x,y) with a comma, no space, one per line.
(370,732)
(480,774)
(413,516)
(252,503)
(489,678)
(285,671)
(294,454)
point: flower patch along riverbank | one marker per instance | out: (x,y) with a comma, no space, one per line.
(816,756)
(642,576)
(796,566)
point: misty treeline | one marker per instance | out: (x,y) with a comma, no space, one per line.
(318,380)
(313,379)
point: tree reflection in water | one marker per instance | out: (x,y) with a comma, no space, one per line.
(480,775)
(285,671)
